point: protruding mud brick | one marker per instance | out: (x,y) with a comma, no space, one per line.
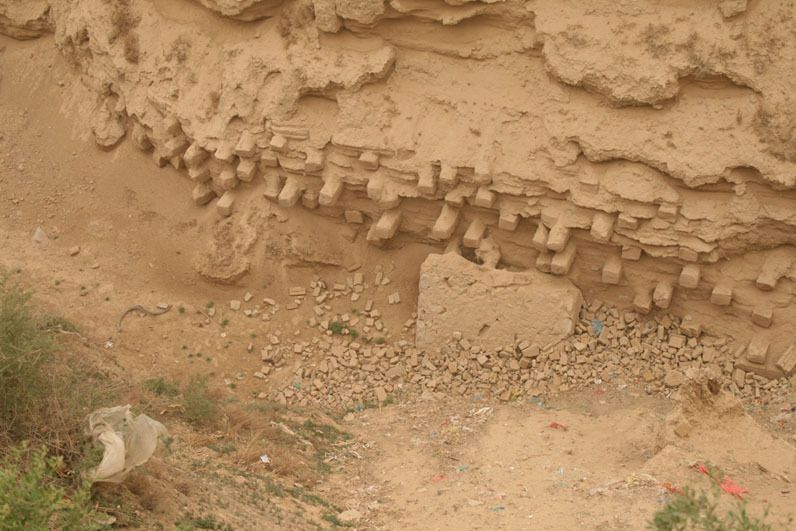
(175,146)
(539,240)
(563,260)
(375,187)
(225,152)
(158,158)
(550,216)
(612,270)
(687,255)
(309,199)
(602,226)
(227,179)
(588,182)
(626,221)
(558,237)
(140,137)
(273,183)
(290,193)
(199,174)
(446,223)
(354,216)
(763,315)
(457,195)
(508,220)
(721,294)
(757,351)
(172,125)
(331,191)
(314,161)
(767,280)
(787,361)
(484,197)
(662,295)
(643,302)
(202,194)
(176,162)
(369,160)
(268,159)
(389,198)
(667,212)
(482,173)
(631,253)
(474,233)
(427,180)
(448,176)
(246,170)
(246,146)
(689,276)
(278,143)
(544,262)
(194,155)
(225,204)
(690,326)
(388,224)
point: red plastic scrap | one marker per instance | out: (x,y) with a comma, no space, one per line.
(672,489)
(726,484)
(438,478)
(557,426)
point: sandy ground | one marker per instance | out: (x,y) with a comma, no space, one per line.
(437,463)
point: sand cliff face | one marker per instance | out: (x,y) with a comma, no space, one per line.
(646,150)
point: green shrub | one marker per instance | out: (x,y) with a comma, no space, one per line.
(198,404)
(694,510)
(161,387)
(32,499)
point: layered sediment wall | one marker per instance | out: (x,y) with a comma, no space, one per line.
(645,150)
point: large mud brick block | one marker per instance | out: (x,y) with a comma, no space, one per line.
(375,187)
(474,234)
(247,168)
(331,191)
(588,182)
(643,301)
(309,199)
(662,295)
(540,236)
(721,294)
(602,226)
(427,180)
(314,160)
(482,173)
(195,155)
(689,276)
(448,176)
(225,204)
(767,280)
(626,221)
(787,361)
(273,185)
(389,198)
(687,255)
(763,315)
(278,143)
(246,146)
(446,223)
(562,261)
(202,194)
(290,193)
(558,237)
(174,146)
(225,152)
(369,160)
(457,195)
(268,159)
(388,224)
(508,221)
(227,179)
(667,212)
(491,307)
(631,253)
(484,197)
(612,270)
(757,351)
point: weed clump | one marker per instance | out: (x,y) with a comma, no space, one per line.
(199,406)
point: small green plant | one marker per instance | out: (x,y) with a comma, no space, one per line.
(210,304)
(336,327)
(199,406)
(353,333)
(224,323)
(181,309)
(332,519)
(161,387)
(380,341)
(696,510)
(31,497)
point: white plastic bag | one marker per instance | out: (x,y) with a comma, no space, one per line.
(129,441)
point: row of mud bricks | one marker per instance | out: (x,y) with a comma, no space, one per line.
(319,177)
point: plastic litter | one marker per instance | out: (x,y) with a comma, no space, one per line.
(265,459)
(725,483)
(597,326)
(557,426)
(129,441)
(438,478)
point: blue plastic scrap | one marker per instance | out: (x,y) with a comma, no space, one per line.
(597,325)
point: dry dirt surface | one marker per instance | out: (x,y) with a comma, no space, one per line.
(310,156)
